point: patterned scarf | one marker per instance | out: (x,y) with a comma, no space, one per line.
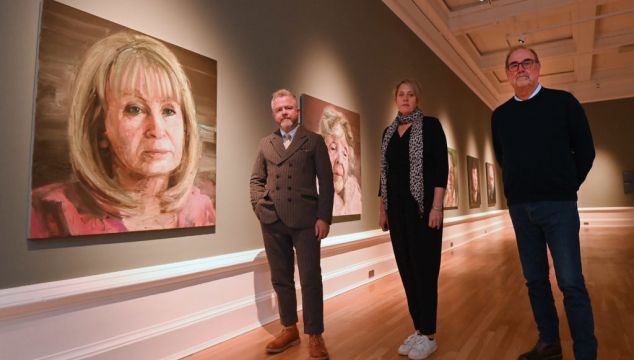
(416,186)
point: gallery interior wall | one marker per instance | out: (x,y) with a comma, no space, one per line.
(612,125)
(327,49)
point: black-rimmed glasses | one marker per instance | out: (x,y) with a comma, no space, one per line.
(526,64)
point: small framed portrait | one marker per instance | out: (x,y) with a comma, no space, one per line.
(490,173)
(451,194)
(473,182)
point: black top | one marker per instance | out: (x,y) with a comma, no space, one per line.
(435,165)
(544,146)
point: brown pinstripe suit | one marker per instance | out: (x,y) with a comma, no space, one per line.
(285,199)
(283,183)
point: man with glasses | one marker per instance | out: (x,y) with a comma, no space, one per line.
(542,141)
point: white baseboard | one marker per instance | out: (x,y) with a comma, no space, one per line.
(607,217)
(172,310)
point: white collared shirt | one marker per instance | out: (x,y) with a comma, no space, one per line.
(291,133)
(539,87)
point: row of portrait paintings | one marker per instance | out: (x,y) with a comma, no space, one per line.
(473,182)
(125,132)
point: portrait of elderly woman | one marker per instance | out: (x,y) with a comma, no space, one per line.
(338,127)
(134,147)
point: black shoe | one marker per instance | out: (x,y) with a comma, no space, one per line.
(543,351)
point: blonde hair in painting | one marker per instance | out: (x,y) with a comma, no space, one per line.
(335,123)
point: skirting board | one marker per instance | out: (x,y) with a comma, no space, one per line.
(172,310)
(607,216)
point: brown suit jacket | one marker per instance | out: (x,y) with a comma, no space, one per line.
(283,185)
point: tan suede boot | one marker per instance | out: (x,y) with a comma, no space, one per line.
(317,347)
(288,337)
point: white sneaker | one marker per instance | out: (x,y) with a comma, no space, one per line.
(408,344)
(422,348)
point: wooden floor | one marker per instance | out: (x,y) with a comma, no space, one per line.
(483,312)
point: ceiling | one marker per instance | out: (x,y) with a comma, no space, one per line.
(585,46)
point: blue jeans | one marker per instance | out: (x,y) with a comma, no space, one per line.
(555,224)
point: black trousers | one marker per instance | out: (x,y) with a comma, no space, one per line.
(417,249)
(279,242)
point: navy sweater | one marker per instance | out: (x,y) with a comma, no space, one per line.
(543,145)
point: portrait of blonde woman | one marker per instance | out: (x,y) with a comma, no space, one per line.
(133,146)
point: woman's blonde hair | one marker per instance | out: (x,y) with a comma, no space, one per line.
(103,66)
(415,87)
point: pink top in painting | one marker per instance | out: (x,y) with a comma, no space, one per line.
(61,210)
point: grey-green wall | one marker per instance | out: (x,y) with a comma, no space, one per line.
(350,53)
(612,125)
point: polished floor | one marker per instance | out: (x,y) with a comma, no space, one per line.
(484,311)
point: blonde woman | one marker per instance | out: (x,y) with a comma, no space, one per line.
(134,146)
(413,180)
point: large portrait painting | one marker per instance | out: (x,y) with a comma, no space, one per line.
(490,173)
(341,131)
(451,194)
(473,180)
(124,132)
